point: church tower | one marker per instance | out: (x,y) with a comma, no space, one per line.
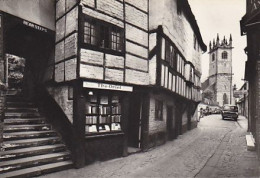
(220,70)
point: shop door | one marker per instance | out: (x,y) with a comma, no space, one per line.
(170,123)
(134,123)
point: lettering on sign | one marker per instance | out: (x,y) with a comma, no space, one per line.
(37,27)
(106,86)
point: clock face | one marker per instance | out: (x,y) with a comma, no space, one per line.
(253,5)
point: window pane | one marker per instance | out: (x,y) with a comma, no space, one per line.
(158,110)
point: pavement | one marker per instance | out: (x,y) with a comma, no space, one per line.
(216,148)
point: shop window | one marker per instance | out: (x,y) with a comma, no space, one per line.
(158,110)
(102,35)
(103,113)
(224,55)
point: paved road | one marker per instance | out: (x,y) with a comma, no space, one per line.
(217,148)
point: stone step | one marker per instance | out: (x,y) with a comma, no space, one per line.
(31,151)
(13,93)
(16,144)
(16,98)
(28,134)
(39,170)
(250,142)
(39,120)
(31,127)
(20,104)
(21,109)
(33,161)
(21,114)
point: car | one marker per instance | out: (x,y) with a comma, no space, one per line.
(230,111)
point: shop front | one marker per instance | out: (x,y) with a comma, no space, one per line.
(107,114)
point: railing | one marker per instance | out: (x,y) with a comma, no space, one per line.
(2,109)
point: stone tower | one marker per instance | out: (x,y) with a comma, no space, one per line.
(220,70)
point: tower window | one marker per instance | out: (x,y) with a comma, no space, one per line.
(213,57)
(224,55)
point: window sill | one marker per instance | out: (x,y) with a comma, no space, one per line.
(104,50)
(103,134)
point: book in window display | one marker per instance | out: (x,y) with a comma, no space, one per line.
(104,119)
(104,128)
(91,119)
(116,109)
(93,99)
(115,99)
(116,118)
(91,128)
(115,127)
(104,100)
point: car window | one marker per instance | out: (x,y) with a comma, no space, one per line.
(234,108)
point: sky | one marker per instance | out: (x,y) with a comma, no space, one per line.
(222,17)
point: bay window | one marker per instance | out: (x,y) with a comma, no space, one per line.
(97,33)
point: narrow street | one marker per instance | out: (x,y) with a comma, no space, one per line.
(217,148)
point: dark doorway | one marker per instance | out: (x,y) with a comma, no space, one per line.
(225,99)
(178,120)
(169,123)
(134,122)
(32,44)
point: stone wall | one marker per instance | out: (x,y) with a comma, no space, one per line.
(156,126)
(212,64)
(222,87)
(61,96)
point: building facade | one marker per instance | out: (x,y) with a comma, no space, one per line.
(110,75)
(250,27)
(242,100)
(219,82)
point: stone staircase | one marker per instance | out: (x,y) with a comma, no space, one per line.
(31,146)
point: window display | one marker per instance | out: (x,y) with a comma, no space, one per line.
(103,113)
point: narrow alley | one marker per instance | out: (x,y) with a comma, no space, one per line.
(217,148)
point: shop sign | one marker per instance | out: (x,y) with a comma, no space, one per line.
(240,93)
(106,86)
(32,25)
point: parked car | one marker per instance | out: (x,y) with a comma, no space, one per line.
(230,111)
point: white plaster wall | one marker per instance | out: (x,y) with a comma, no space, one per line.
(177,27)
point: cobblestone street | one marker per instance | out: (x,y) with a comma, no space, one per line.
(217,148)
